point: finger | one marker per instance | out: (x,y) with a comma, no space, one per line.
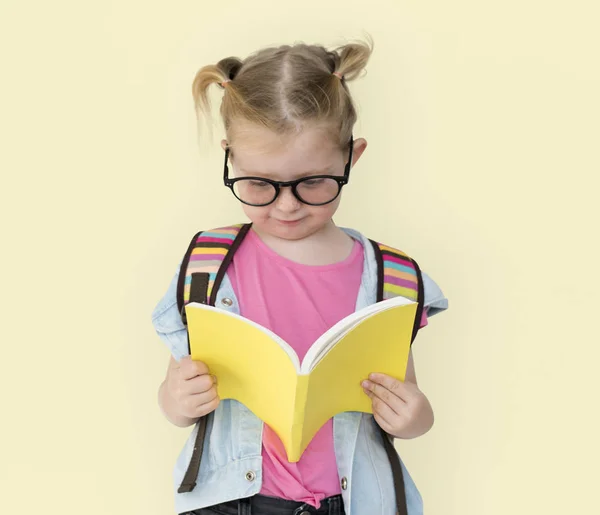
(383,424)
(384,420)
(205,409)
(202,404)
(382,409)
(399,388)
(382,393)
(199,384)
(198,400)
(191,402)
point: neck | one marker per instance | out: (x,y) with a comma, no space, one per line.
(326,246)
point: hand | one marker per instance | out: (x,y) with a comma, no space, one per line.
(192,388)
(400,408)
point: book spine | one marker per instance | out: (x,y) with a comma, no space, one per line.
(296,441)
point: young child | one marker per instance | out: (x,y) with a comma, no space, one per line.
(289,149)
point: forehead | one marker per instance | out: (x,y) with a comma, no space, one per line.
(258,149)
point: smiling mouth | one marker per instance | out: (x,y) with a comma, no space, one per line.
(289,222)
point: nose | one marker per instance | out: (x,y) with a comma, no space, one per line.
(286,201)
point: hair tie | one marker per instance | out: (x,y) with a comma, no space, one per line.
(222,84)
(338,75)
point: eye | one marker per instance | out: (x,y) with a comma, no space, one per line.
(313,183)
(258,184)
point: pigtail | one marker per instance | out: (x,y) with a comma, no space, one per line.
(353,59)
(221,74)
(346,64)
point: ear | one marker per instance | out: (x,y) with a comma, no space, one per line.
(224,144)
(360,145)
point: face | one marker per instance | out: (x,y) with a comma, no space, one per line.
(259,152)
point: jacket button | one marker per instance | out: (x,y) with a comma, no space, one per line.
(226,301)
(344,483)
(250,476)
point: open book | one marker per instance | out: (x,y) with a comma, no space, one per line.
(259,369)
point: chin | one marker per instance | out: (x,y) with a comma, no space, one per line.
(303,229)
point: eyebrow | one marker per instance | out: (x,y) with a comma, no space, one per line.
(324,171)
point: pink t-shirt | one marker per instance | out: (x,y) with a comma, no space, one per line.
(298,303)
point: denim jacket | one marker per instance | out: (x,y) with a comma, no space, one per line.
(231,466)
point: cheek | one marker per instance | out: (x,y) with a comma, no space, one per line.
(255,213)
(325,212)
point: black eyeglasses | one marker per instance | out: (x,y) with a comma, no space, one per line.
(314,190)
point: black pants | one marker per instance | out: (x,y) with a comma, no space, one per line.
(261,505)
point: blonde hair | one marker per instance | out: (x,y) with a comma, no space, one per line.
(282,88)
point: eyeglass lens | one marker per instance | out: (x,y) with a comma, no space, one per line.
(311,191)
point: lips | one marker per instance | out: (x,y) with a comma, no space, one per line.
(289,222)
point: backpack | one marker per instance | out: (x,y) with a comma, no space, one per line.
(202,271)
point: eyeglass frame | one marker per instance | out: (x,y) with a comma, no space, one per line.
(341,181)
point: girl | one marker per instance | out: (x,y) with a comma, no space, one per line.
(288,117)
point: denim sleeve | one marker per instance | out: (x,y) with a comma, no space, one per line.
(435,301)
(168,324)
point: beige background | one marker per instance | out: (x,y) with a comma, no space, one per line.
(482,116)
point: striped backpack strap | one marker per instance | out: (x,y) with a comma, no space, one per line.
(205,263)
(201,273)
(398,275)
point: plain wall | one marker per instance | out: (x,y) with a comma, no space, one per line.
(482,117)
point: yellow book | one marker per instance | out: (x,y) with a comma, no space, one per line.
(259,369)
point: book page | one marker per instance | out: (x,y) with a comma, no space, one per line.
(220,316)
(330,338)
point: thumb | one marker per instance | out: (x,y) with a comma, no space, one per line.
(191,368)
